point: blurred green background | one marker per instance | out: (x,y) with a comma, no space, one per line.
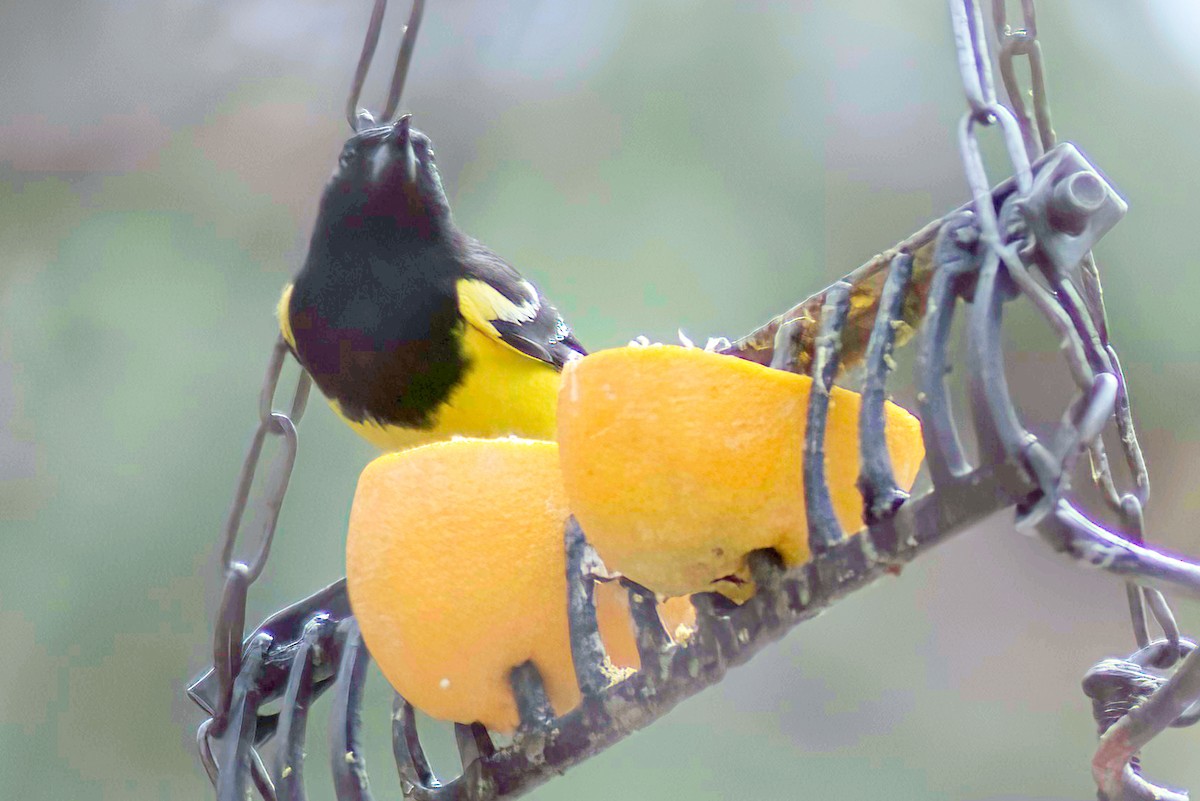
(652,165)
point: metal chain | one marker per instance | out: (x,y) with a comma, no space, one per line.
(1039,136)
(985,110)
(1023,41)
(239,573)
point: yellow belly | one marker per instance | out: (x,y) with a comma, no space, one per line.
(503,393)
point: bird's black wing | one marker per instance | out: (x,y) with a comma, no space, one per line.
(498,301)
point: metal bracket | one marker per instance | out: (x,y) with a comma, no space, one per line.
(1069,209)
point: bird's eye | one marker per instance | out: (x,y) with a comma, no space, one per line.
(345,159)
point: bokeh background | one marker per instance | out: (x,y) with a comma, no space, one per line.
(652,165)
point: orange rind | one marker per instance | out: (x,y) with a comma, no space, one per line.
(678,462)
(456,570)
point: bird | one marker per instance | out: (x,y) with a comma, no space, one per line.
(414,331)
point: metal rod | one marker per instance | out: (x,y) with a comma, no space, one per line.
(824,530)
(876,480)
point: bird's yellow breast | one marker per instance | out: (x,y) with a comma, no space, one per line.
(503,393)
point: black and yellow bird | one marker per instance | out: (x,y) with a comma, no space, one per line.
(414,331)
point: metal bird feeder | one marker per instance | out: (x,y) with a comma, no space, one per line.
(1029,239)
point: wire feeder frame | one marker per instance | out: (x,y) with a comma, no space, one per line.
(1028,238)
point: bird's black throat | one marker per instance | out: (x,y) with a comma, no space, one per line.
(376,322)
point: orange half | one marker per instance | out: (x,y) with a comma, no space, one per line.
(456,570)
(678,462)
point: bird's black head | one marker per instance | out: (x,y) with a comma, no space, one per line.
(387,181)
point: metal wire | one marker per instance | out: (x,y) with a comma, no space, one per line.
(361,118)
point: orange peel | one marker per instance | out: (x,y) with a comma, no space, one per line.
(456,570)
(678,462)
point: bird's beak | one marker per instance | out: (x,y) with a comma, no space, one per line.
(395,158)
(402,142)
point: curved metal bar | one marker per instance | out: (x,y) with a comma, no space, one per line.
(824,530)
(998,430)
(289,758)
(260,777)
(651,637)
(876,481)
(1071,532)
(293,719)
(533,705)
(238,757)
(473,741)
(767,570)
(587,649)
(346,759)
(413,767)
(955,259)
(714,641)
(788,351)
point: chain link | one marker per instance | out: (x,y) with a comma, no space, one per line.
(1023,41)
(973,61)
(240,573)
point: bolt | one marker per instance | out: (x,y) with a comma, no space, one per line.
(1074,199)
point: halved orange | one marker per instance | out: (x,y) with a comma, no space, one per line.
(456,570)
(678,462)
